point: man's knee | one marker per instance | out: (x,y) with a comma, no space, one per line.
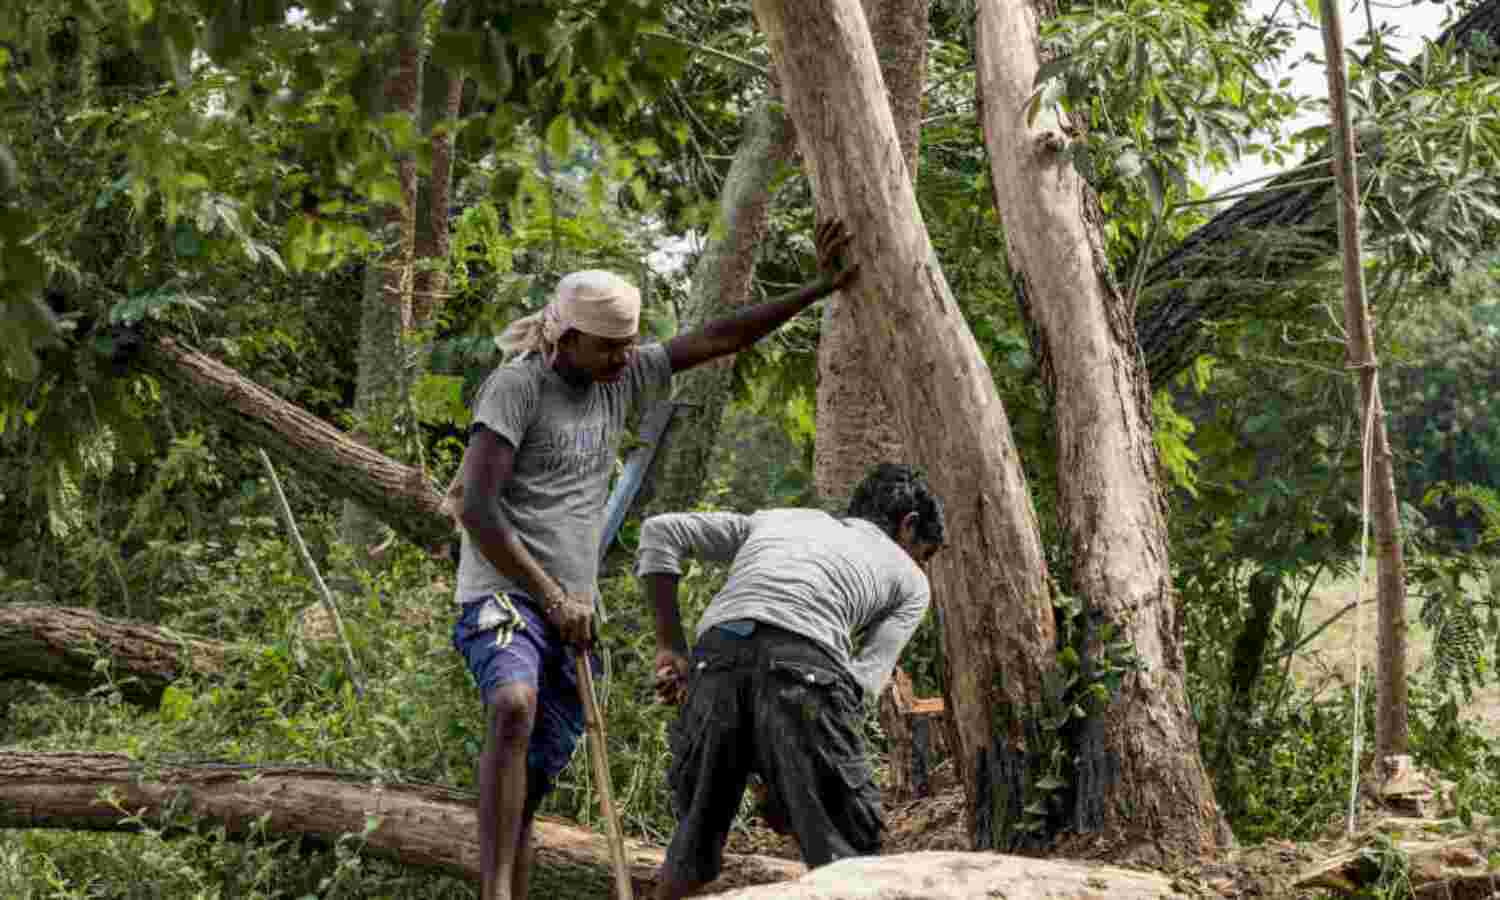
(512,713)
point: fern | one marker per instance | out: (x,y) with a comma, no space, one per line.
(1458,643)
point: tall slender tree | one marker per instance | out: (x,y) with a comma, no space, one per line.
(1140,785)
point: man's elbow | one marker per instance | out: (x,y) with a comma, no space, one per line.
(478,518)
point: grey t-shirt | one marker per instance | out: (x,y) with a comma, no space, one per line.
(824,578)
(566,440)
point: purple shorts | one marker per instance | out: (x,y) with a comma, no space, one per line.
(504,639)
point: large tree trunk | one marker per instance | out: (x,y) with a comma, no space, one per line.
(721,284)
(1240,255)
(399,494)
(1141,789)
(60,645)
(991,585)
(380,388)
(855,428)
(416,824)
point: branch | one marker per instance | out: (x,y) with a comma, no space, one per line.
(324,595)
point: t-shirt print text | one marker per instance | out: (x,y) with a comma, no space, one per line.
(575,451)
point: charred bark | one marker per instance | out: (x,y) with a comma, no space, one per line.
(400,495)
(417,824)
(1275,234)
(60,645)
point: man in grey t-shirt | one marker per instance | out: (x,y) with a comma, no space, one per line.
(530,498)
(776,685)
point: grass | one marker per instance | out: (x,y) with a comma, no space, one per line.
(1328,661)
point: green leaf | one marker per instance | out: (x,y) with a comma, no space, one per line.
(1157,191)
(10,173)
(1128,164)
(1315,10)
(560,137)
(1050,783)
(142,11)
(185,240)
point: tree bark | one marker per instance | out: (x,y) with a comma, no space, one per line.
(435,195)
(399,494)
(721,284)
(855,428)
(1231,263)
(1140,789)
(417,824)
(1379,490)
(59,645)
(990,583)
(380,389)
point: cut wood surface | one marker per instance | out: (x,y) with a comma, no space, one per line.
(943,875)
(61,645)
(414,823)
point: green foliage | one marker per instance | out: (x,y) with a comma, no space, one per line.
(290,702)
(1162,88)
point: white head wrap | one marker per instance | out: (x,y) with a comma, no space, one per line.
(593,301)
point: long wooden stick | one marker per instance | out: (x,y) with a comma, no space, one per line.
(325,596)
(594,724)
(1378,487)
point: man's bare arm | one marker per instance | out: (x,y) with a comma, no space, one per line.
(734,333)
(671,641)
(488,465)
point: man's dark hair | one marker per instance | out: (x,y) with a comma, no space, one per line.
(890,492)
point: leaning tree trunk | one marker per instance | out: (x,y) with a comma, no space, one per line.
(413,823)
(60,645)
(991,585)
(380,388)
(1140,789)
(855,428)
(316,450)
(1238,257)
(721,283)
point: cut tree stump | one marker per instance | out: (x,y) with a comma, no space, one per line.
(417,824)
(909,723)
(61,645)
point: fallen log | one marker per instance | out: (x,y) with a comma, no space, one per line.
(61,645)
(399,495)
(946,875)
(417,824)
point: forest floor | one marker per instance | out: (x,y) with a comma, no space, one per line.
(1268,869)
(936,823)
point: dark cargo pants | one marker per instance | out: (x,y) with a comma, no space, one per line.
(774,703)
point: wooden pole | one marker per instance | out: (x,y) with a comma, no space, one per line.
(1391,735)
(594,725)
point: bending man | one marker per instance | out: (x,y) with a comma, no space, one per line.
(530,496)
(775,685)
